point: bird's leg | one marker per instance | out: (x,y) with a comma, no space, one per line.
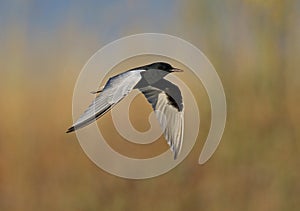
(98,91)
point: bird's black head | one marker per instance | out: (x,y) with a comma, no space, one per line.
(163,66)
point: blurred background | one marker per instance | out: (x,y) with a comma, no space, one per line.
(254,46)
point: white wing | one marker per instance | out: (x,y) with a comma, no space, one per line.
(114,90)
(168,107)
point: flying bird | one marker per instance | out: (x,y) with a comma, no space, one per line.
(164,97)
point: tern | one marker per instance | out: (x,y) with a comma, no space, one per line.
(164,97)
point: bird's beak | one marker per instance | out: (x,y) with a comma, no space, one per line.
(176,70)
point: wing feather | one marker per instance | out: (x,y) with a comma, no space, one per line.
(171,121)
(114,91)
(169,112)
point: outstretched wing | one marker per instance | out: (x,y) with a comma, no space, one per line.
(114,90)
(166,101)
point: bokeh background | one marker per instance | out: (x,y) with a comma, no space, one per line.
(254,46)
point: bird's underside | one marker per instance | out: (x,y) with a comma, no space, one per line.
(164,97)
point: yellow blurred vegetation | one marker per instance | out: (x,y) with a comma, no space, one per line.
(254,46)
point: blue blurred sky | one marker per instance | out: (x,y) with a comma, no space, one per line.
(106,19)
